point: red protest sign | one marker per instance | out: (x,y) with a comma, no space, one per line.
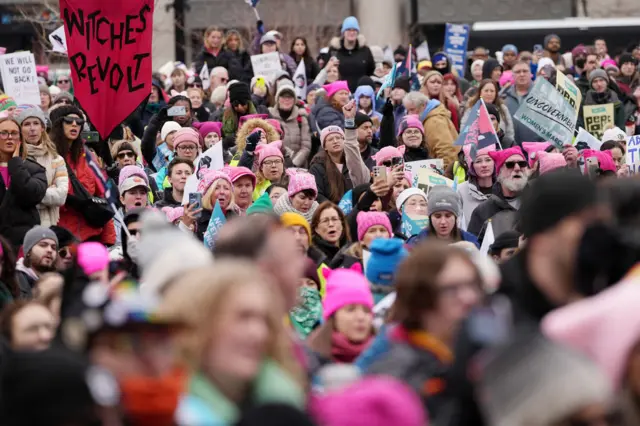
(109,48)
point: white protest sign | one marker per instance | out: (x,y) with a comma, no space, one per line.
(58,40)
(489,239)
(414,167)
(19,77)
(204,76)
(211,159)
(633,154)
(266,65)
(588,138)
(300,80)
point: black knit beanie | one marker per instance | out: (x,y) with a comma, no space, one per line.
(493,110)
(60,112)
(240,93)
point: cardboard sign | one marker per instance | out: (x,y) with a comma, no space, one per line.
(569,91)
(597,118)
(414,168)
(584,136)
(413,224)
(109,48)
(19,77)
(546,112)
(633,154)
(266,65)
(456,39)
(428,179)
(479,129)
(58,40)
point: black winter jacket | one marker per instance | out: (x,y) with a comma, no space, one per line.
(18,202)
(495,204)
(355,63)
(222,60)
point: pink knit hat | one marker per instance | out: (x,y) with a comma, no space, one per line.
(532,148)
(467,155)
(265,150)
(248,117)
(410,122)
(276,125)
(506,77)
(236,173)
(207,127)
(92,257)
(186,134)
(329,130)
(127,171)
(499,157)
(345,287)
(605,327)
(409,178)
(550,161)
(605,160)
(387,153)
(335,87)
(209,177)
(173,213)
(368,219)
(379,401)
(300,182)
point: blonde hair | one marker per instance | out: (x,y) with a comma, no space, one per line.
(197,298)
(196,89)
(206,197)
(210,30)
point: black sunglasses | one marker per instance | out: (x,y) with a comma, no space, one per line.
(512,164)
(64,252)
(195,86)
(71,120)
(126,154)
(393,162)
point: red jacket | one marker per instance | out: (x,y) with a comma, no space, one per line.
(73,220)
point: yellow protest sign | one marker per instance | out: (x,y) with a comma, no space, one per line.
(597,118)
(569,90)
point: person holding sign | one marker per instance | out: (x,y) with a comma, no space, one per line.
(444,209)
(23,184)
(600,94)
(214,186)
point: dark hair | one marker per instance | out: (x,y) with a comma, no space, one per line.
(416,281)
(315,221)
(9,312)
(309,193)
(8,275)
(248,241)
(275,185)
(125,146)
(179,160)
(609,145)
(306,55)
(174,100)
(334,177)
(75,149)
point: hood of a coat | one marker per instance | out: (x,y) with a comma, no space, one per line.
(432,109)
(249,126)
(368,92)
(336,42)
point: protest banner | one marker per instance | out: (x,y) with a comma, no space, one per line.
(597,118)
(456,39)
(428,179)
(211,159)
(479,129)
(570,91)
(413,167)
(389,80)
(215,223)
(546,112)
(489,238)
(266,65)
(586,137)
(19,77)
(109,48)
(205,76)
(413,224)
(300,80)
(633,154)
(58,40)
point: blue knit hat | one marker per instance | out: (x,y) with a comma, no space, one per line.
(386,255)
(350,23)
(509,48)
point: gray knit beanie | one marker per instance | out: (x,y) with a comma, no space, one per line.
(441,198)
(598,73)
(35,235)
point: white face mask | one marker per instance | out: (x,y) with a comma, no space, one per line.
(132,249)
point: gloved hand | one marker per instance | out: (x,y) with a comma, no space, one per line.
(252,141)
(162,114)
(387,109)
(260,26)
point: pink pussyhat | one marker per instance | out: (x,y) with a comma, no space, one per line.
(236,173)
(273,149)
(387,153)
(499,157)
(335,87)
(248,117)
(605,160)
(410,122)
(92,257)
(550,161)
(209,177)
(467,155)
(345,287)
(301,181)
(366,220)
(207,127)
(276,125)
(531,148)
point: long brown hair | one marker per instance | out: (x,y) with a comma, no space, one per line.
(8,274)
(476,96)
(335,179)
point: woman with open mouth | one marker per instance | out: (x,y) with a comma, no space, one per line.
(330,230)
(215,187)
(67,122)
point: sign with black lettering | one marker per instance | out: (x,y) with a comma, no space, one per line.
(19,77)
(597,118)
(109,48)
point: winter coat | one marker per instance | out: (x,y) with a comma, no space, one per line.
(506,121)
(222,60)
(415,154)
(368,92)
(167,200)
(72,219)
(57,184)
(297,135)
(323,114)
(239,65)
(327,249)
(26,278)
(471,198)
(366,155)
(619,116)
(424,234)
(440,132)
(5,296)
(19,201)
(354,171)
(355,63)
(495,204)
(521,132)
(347,257)
(311,68)
(203,221)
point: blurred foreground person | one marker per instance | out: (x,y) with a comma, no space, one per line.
(27,325)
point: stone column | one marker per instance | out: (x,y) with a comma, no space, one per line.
(381,21)
(164,40)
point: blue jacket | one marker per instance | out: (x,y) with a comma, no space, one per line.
(368,92)
(324,115)
(424,234)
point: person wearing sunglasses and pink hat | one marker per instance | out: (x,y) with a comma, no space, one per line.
(512,170)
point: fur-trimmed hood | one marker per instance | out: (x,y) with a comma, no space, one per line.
(336,42)
(248,127)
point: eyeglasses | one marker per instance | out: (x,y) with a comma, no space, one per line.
(64,252)
(64,81)
(413,132)
(187,148)
(271,163)
(328,220)
(126,154)
(71,120)
(4,135)
(512,164)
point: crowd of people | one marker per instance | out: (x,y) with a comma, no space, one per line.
(311,280)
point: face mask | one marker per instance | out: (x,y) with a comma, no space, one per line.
(308,311)
(132,249)
(580,62)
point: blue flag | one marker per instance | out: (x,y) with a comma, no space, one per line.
(389,80)
(215,223)
(252,3)
(346,203)
(413,225)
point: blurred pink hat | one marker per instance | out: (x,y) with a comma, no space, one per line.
(92,257)
(550,161)
(531,148)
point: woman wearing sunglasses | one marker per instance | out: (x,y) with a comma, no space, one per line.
(64,83)
(23,184)
(66,126)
